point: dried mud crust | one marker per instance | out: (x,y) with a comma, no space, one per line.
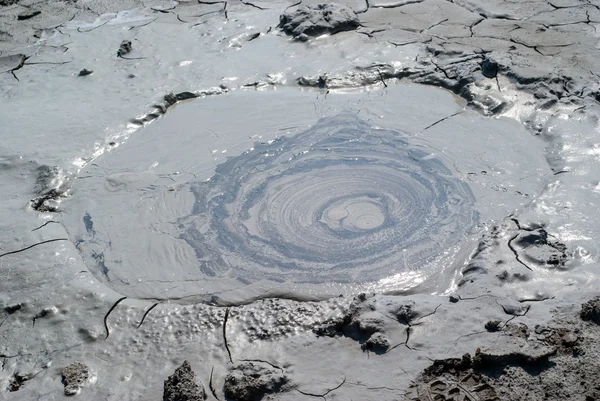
(364,324)
(529,248)
(182,385)
(591,311)
(249,381)
(557,362)
(370,319)
(474,49)
(318,19)
(538,249)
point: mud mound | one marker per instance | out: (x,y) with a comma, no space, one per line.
(181,385)
(590,311)
(251,382)
(319,19)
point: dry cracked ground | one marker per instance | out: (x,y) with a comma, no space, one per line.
(504,333)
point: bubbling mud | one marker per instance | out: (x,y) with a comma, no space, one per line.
(341,202)
(381,195)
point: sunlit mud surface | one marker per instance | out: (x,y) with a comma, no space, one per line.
(172,171)
(293,205)
(339,203)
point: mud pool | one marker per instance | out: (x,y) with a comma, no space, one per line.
(301,195)
(187,188)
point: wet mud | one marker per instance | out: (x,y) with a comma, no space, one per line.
(483,195)
(339,208)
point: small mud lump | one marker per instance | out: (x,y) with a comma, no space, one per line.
(590,311)
(28,14)
(493,325)
(124,48)
(12,308)
(17,381)
(489,68)
(251,382)
(182,386)
(377,343)
(319,19)
(75,376)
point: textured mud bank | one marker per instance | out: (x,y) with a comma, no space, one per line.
(187,187)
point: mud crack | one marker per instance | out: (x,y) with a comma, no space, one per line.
(146,314)
(44,225)
(322,395)
(439,121)
(263,361)
(32,246)
(210,384)
(247,3)
(409,328)
(108,313)
(225,334)
(514,251)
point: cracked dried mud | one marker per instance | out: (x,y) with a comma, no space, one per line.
(281,200)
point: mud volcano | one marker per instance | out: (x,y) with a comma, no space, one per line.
(300,196)
(341,202)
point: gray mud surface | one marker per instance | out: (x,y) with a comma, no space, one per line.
(363,200)
(338,208)
(555,362)
(250,381)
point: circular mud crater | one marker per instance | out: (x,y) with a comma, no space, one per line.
(260,194)
(340,203)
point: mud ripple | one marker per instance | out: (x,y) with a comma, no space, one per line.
(343,203)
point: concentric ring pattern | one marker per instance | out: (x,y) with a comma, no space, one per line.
(341,203)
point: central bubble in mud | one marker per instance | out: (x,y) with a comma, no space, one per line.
(341,202)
